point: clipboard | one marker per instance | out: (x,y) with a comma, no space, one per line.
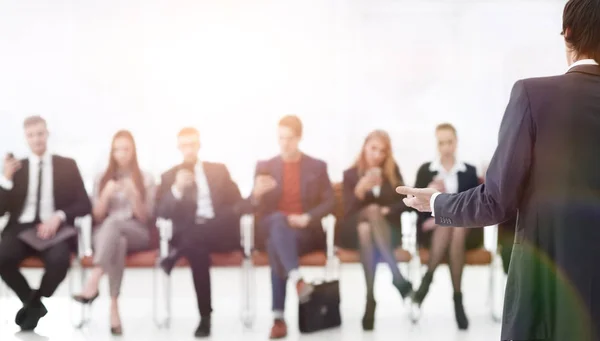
(30,238)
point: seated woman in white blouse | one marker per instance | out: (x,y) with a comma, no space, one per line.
(446,174)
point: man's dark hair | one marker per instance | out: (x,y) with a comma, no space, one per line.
(292,122)
(188,131)
(581,27)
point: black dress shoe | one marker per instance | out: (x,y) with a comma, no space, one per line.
(168,263)
(33,310)
(459,312)
(204,328)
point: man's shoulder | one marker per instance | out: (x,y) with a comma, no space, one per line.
(63,160)
(315,161)
(214,166)
(170,172)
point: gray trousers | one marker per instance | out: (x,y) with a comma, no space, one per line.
(113,239)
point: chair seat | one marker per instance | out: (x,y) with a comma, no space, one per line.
(315,258)
(222,259)
(148,259)
(353,256)
(36,262)
(479,256)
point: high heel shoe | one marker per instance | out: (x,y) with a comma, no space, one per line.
(368,320)
(419,295)
(85,300)
(459,312)
(405,288)
(116,331)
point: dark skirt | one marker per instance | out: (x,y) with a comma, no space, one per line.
(347,237)
(474,238)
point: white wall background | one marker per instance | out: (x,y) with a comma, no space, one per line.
(233,67)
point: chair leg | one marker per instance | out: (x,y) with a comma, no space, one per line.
(415,310)
(84,309)
(4,300)
(248,286)
(496,273)
(160,296)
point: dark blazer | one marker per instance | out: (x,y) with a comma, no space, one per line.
(316,190)
(466,180)
(387,197)
(70,195)
(547,168)
(224,195)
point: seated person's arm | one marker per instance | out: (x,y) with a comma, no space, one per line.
(398,207)
(354,191)
(171,193)
(139,203)
(80,204)
(165,201)
(10,167)
(327,197)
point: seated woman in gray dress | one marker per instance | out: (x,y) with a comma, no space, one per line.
(372,210)
(122,208)
(446,174)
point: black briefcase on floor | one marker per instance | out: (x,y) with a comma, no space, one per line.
(322,310)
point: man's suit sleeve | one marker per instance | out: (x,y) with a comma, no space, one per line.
(497,199)
(165,200)
(327,197)
(5,191)
(80,205)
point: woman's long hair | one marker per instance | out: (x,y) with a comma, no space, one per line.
(390,169)
(134,168)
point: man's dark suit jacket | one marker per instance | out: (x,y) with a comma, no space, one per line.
(547,168)
(224,195)
(466,180)
(70,195)
(318,199)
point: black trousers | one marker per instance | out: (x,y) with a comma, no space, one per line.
(13,251)
(197,241)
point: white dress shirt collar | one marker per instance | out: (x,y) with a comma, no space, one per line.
(582,62)
(46,159)
(436,166)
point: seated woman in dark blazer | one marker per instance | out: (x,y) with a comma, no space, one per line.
(446,174)
(372,211)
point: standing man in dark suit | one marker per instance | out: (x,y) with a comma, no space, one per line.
(292,193)
(546,168)
(200,198)
(43,192)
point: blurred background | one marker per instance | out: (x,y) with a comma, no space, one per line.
(232,68)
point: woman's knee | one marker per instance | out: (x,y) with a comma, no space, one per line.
(371,211)
(364,231)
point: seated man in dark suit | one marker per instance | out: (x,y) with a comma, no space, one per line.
(43,192)
(292,193)
(200,198)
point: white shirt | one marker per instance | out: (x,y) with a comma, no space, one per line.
(582,62)
(450,177)
(204,206)
(47,208)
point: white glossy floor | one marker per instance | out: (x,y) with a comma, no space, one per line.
(392,323)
